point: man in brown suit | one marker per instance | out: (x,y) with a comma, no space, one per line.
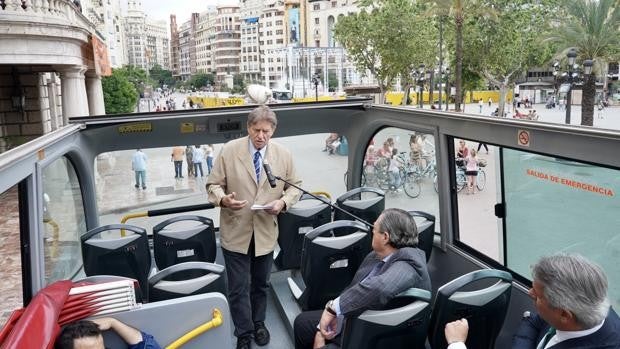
(248,235)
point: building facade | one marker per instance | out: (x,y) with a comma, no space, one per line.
(205,37)
(146,40)
(226,46)
(250,68)
(51,63)
(106,16)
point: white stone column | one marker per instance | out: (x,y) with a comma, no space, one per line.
(94,91)
(74,98)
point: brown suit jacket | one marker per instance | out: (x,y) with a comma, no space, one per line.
(234,172)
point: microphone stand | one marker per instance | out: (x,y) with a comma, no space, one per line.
(324,201)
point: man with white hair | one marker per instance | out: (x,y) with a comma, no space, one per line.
(570,296)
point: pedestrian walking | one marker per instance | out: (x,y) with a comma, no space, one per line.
(138,165)
(490,101)
(480,104)
(198,157)
(177,158)
(189,157)
(209,150)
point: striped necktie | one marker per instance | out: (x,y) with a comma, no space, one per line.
(550,333)
(257,165)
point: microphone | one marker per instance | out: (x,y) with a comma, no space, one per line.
(270,177)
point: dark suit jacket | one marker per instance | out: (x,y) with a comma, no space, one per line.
(533,328)
(406,268)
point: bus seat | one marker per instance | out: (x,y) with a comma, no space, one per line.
(209,277)
(114,254)
(330,257)
(307,214)
(186,238)
(97,279)
(365,202)
(426,231)
(484,307)
(170,319)
(402,324)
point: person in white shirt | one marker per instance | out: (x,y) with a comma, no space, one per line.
(198,157)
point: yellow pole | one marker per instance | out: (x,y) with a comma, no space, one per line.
(215,322)
(130,216)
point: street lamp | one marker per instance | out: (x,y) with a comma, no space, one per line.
(421,78)
(316,80)
(572,76)
(447,88)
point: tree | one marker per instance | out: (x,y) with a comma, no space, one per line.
(593,29)
(501,48)
(136,76)
(119,94)
(238,84)
(161,76)
(201,80)
(379,37)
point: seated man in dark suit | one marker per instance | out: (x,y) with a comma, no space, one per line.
(394,265)
(570,296)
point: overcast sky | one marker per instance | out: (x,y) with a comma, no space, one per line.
(162,9)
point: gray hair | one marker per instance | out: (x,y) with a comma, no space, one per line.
(573,283)
(262,113)
(400,226)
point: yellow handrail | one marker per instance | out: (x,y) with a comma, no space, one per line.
(323,193)
(130,216)
(55,236)
(215,322)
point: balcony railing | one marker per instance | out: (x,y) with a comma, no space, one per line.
(62,12)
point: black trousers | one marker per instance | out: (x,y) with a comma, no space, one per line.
(304,329)
(248,282)
(480,145)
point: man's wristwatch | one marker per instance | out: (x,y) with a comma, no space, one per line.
(329,307)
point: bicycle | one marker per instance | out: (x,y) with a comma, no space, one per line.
(461,178)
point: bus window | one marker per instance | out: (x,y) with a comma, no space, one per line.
(477,194)
(554,204)
(403,164)
(63,219)
(11,271)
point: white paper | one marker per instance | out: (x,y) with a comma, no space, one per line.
(261,207)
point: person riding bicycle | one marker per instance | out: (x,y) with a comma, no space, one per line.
(394,169)
(461,153)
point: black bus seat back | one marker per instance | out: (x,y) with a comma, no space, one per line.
(208,277)
(186,238)
(329,262)
(425,222)
(403,323)
(127,256)
(484,308)
(293,224)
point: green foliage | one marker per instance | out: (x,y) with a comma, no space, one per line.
(200,80)
(503,46)
(119,94)
(161,77)
(238,84)
(136,76)
(593,29)
(387,38)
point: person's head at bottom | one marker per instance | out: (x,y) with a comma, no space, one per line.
(82,334)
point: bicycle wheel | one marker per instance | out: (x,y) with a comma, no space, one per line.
(481,180)
(435,184)
(461,180)
(346,179)
(412,186)
(383,181)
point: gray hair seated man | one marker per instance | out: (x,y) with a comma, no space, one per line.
(570,296)
(394,265)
